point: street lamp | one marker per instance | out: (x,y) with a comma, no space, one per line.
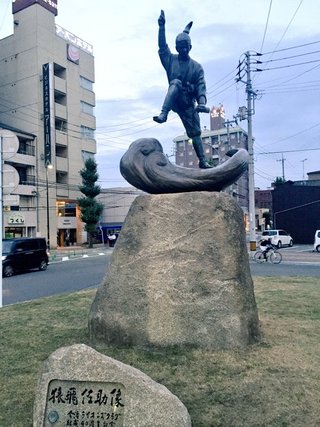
(48,166)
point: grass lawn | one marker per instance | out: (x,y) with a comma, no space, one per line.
(275,383)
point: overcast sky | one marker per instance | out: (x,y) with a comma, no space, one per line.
(131,83)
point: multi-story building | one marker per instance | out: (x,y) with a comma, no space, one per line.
(116,204)
(222,137)
(296,207)
(47,102)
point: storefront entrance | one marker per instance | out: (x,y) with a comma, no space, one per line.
(67,237)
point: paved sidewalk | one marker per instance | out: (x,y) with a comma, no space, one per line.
(71,252)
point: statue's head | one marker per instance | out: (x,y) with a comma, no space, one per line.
(183,41)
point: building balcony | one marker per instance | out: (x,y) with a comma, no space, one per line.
(60,84)
(60,111)
(22,159)
(62,164)
(61,138)
(88,96)
(25,190)
(89,145)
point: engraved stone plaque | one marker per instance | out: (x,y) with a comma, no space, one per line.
(84,404)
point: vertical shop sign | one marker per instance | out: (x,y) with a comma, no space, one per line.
(47,110)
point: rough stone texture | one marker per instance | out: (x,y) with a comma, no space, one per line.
(147,403)
(179,275)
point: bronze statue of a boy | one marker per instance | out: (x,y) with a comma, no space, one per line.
(187,88)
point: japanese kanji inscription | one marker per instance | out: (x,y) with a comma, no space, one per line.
(84,404)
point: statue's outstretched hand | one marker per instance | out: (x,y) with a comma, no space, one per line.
(162,19)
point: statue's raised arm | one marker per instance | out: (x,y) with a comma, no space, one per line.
(162,32)
(162,19)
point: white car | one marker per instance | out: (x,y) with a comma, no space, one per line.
(316,245)
(278,238)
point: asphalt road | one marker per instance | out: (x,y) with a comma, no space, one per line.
(81,273)
(60,277)
(286,268)
(300,260)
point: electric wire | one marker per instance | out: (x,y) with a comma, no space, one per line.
(289,24)
(286,29)
(266,26)
(288,66)
(291,47)
(294,56)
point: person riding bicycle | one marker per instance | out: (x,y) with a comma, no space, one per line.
(266,246)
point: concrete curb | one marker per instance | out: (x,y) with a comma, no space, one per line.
(63,255)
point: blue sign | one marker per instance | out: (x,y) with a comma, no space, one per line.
(46,113)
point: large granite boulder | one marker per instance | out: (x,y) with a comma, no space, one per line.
(179,275)
(80,387)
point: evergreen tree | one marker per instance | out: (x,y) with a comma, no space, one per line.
(278,181)
(90,208)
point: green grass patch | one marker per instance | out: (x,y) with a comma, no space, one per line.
(275,383)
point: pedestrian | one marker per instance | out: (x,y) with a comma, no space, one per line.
(112,240)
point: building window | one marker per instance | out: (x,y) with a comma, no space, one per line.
(59,71)
(26,147)
(60,125)
(26,175)
(66,209)
(87,155)
(61,177)
(87,132)
(87,108)
(86,84)
(61,151)
(60,98)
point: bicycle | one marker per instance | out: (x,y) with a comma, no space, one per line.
(272,255)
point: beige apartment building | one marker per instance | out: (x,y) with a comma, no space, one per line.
(47,124)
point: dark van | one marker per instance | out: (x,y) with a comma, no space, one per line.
(23,254)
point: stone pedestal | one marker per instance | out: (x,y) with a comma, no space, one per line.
(179,275)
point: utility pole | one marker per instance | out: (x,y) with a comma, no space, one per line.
(247,113)
(250,111)
(282,160)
